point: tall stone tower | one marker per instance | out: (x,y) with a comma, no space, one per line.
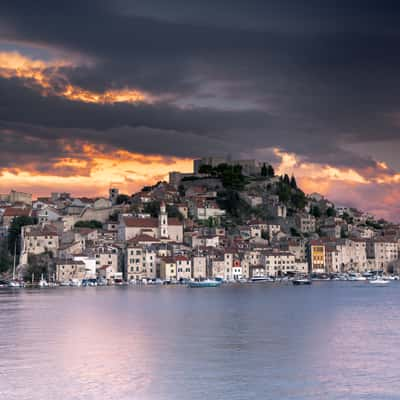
(163,221)
(113,195)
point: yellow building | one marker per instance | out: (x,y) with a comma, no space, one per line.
(317,257)
(168,269)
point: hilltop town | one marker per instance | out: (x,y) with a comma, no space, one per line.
(228,219)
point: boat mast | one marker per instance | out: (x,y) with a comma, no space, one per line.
(15,255)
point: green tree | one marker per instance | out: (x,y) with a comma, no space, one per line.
(270,171)
(283,192)
(286,179)
(293,183)
(181,190)
(330,212)
(123,198)
(5,257)
(265,235)
(211,222)
(173,212)
(38,265)
(348,218)
(298,199)
(14,233)
(264,170)
(315,211)
(92,224)
(206,169)
(152,208)
(294,232)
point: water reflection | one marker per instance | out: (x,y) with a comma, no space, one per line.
(332,340)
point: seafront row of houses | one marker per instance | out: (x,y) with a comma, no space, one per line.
(178,231)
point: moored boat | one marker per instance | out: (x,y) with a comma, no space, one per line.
(203,284)
(301,281)
(14,284)
(43,282)
(379,281)
(261,278)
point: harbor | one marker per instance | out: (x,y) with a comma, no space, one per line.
(173,342)
(368,277)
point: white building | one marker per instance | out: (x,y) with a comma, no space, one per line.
(381,251)
(163,227)
(199,267)
(277,263)
(183,267)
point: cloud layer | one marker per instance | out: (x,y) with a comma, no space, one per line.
(315,81)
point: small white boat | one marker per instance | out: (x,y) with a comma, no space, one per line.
(261,278)
(302,281)
(14,284)
(43,283)
(379,281)
(360,278)
(203,284)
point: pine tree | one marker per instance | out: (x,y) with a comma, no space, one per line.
(264,170)
(270,171)
(286,179)
(293,182)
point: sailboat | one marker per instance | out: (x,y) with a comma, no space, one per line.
(14,283)
(43,282)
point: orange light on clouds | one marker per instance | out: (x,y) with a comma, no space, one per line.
(373,189)
(94,172)
(290,163)
(44,73)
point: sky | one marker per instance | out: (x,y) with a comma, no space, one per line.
(94,93)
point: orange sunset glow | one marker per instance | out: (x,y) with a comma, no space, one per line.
(93,174)
(44,74)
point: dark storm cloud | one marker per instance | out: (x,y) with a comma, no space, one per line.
(308,78)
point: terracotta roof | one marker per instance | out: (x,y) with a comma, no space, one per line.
(181,258)
(143,238)
(103,267)
(84,231)
(174,221)
(168,260)
(17,212)
(68,262)
(133,222)
(41,231)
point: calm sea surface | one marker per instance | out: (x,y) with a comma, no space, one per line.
(265,341)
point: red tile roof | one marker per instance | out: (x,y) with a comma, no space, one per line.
(17,212)
(133,222)
(143,238)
